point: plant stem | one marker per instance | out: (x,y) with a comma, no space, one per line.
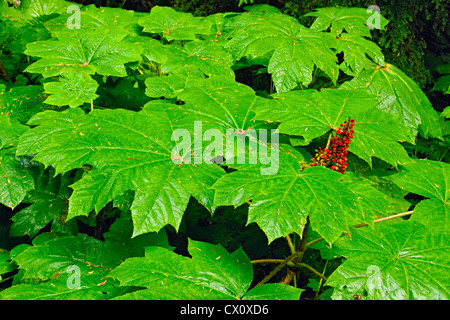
(442,157)
(329,140)
(290,274)
(307,266)
(298,255)
(301,246)
(385,218)
(278,268)
(364,225)
(267,261)
(291,245)
(323,273)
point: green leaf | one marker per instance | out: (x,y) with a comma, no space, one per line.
(170,86)
(443,84)
(376,133)
(318,112)
(292,48)
(370,200)
(140,160)
(73,90)
(5,263)
(393,262)
(210,273)
(10,131)
(44,259)
(41,8)
(429,179)
(352,20)
(92,288)
(206,56)
(55,264)
(293,62)
(120,234)
(83,51)
(273,291)
(23,102)
(154,50)
(394,194)
(49,203)
(48,122)
(93,18)
(356,49)
(446,112)
(281,202)
(221,103)
(58,263)
(173,25)
(400,96)
(15,180)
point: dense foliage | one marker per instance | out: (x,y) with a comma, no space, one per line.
(416,39)
(319,194)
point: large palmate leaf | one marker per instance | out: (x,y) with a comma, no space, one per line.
(282,201)
(15,179)
(76,267)
(221,104)
(352,20)
(171,85)
(370,199)
(22,102)
(206,56)
(223,111)
(397,261)
(356,49)
(211,273)
(378,135)
(93,18)
(400,96)
(83,51)
(310,114)
(36,8)
(6,265)
(49,122)
(293,63)
(127,153)
(73,91)
(173,25)
(294,48)
(429,179)
(153,49)
(10,131)
(72,267)
(48,203)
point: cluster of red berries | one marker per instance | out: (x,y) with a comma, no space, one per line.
(335,155)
